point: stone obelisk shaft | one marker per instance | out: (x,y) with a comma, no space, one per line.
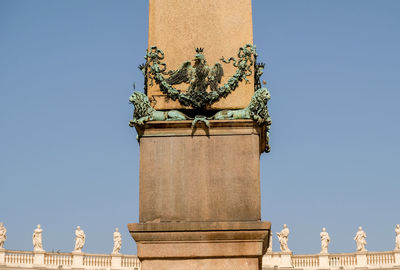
(220,27)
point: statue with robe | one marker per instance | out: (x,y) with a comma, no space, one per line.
(80,238)
(397,231)
(37,239)
(325,239)
(117,241)
(360,239)
(3,235)
(283,238)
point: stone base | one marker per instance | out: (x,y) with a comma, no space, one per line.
(200,174)
(201,245)
(204,264)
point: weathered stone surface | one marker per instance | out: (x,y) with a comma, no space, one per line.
(200,239)
(204,264)
(220,27)
(198,245)
(200,195)
(202,174)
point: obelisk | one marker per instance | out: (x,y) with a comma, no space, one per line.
(199,196)
(220,27)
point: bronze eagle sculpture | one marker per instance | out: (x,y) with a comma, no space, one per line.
(199,76)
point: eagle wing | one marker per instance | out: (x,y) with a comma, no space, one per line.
(215,76)
(181,75)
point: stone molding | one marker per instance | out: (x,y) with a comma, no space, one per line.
(217,128)
(12,259)
(200,239)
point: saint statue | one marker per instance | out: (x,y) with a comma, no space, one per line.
(79,239)
(269,249)
(397,231)
(117,242)
(360,239)
(37,239)
(325,239)
(3,235)
(283,238)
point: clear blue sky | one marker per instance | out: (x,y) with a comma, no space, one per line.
(69,158)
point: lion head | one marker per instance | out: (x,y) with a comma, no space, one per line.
(259,99)
(142,105)
(258,106)
(262,95)
(259,111)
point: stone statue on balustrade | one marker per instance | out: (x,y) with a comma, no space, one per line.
(37,239)
(397,231)
(80,238)
(283,238)
(360,239)
(325,239)
(269,249)
(117,242)
(3,235)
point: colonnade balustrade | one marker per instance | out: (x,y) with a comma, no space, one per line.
(39,258)
(54,260)
(272,260)
(366,259)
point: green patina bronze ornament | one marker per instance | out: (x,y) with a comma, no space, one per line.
(143,111)
(256,110)
(258,72)
(200,76)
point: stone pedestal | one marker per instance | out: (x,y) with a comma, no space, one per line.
(286,260)
(396,257)
(201,245)
(116,260)
(2,256)
(200,174)
(38,258)
(323,261)
(200,196)
(361,259)
(77,259)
